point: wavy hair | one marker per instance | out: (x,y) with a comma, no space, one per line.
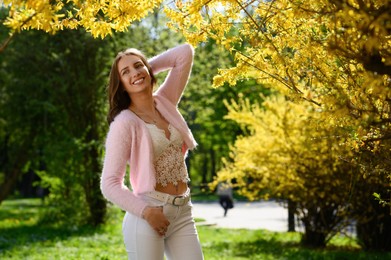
(118,97)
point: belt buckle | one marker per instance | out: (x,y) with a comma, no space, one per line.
(181,199)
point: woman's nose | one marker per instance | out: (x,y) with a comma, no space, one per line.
(135,73)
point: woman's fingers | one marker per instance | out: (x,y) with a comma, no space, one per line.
(158,220)
(162,230)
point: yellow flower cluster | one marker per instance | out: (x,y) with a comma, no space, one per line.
(333,54)
(293,45)
(289,146)
(99,17)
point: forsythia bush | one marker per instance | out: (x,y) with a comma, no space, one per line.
(292,153)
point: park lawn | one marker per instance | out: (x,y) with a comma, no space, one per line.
(22,238)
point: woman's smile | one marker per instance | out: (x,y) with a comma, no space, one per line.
(139,81)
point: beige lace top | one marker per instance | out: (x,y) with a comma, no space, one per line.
(169,162)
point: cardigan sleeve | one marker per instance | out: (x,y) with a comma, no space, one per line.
(179,61)
(117,154)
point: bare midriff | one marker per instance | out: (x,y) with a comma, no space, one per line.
(172,189)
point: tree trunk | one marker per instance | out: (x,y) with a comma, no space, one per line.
(313,238)
(213,163)
(14,169)
(205,169)
(95,200)
(374,232)
(94,197)
(291,216)
(9,183)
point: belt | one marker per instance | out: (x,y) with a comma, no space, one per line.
(176,200)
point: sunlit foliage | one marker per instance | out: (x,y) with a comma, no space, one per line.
(335,54)
(292,153)
(285,141)
(100,17)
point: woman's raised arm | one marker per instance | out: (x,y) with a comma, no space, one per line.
(179,61)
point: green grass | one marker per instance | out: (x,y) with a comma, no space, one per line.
(22,238)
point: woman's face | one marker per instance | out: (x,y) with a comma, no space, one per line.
(134,74)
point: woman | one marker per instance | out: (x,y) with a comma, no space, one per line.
(148,133)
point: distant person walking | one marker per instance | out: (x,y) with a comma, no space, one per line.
(224,191)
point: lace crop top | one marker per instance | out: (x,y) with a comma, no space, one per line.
(169,162)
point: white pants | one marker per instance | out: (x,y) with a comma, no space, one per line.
(180,242)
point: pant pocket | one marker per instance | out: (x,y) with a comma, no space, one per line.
(170,211)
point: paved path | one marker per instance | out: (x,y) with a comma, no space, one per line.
(268,215)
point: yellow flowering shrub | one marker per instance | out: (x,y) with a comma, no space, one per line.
(289,145)
(292,153)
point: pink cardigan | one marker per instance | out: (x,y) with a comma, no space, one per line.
(128,140)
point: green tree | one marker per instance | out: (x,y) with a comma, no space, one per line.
(54,116)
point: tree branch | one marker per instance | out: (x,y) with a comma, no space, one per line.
(6,42)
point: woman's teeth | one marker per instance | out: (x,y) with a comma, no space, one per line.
(138,81)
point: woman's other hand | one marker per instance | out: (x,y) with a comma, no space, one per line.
(156,219)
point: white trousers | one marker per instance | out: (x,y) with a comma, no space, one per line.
(180,242)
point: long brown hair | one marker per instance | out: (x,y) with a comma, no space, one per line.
(118,98)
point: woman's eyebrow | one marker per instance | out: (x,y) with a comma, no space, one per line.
(124,68)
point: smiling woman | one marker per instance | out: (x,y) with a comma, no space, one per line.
(134,75)
(118,97)
(148,133)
